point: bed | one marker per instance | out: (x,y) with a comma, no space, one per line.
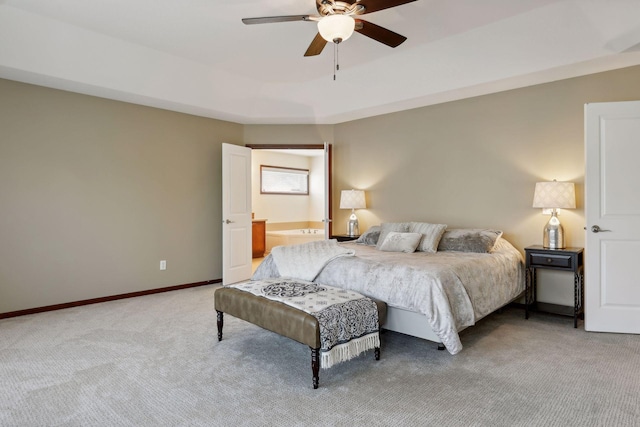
(431,294)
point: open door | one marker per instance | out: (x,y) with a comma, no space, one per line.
(327,191)
(236,213)
(612,208)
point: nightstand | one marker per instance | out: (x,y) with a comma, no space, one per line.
(567,259)
(344,237)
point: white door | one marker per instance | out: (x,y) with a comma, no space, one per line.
(612,210)
(327,191)
(236,213)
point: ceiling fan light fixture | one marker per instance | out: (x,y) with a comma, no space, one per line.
(336,28)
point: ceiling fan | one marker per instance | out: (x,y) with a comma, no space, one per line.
(336,22)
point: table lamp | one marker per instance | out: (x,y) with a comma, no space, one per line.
(352,199)
(554,195)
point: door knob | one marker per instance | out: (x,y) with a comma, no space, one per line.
(226,221)
(597,229)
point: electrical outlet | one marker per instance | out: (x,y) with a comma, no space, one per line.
(163,264)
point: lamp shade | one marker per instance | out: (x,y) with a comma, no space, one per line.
(336,28)
(352,199)
(555,195)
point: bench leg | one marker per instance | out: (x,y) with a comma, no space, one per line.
(220,324)
(315,366)
(376,353)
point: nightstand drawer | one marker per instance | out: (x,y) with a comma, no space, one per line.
(552,260)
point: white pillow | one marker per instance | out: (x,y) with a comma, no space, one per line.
(386,227)
(431,235)
(400,242)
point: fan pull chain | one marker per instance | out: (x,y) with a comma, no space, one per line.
(336,65)
(335,60)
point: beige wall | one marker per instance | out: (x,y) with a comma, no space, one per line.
(474,162)
(93,193)
(288,134)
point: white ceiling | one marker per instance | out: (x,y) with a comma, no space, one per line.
(196,56)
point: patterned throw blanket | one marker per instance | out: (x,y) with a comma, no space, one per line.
(348,321)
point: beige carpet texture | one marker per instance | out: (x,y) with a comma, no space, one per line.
(156,361)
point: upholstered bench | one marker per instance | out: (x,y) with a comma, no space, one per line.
(280,318)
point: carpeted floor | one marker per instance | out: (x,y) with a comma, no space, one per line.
(155,360)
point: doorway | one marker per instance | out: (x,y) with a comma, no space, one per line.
(236,184)
(286,219)
(317,212)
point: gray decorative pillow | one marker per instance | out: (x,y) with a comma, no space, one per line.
(387,227)
(370,237)
(469,240)
(431,235)
(400,242)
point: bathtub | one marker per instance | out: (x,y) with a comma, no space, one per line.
(293,237)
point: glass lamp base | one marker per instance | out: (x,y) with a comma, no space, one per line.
(352,226)
(553,235)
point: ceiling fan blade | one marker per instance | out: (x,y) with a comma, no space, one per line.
(379,33)
(270,19)
(376,5)
(316,46)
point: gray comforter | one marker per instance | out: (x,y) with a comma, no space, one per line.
(452,289)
